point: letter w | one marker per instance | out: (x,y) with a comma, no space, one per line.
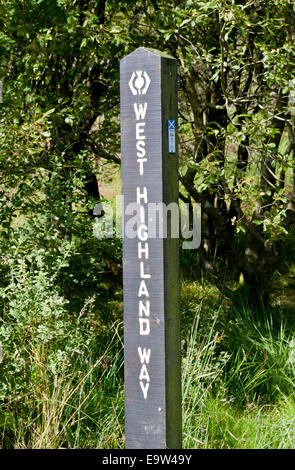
(144,355)
(140,111)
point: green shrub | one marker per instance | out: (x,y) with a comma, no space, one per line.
(53,360)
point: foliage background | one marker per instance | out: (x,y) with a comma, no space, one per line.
(60,287)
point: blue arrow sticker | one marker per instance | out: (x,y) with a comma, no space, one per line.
(171,136)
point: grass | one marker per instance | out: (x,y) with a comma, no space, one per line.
(238,378)
(78,409)
(222,426)
(238,375)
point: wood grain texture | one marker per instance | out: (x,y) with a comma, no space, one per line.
(152,421)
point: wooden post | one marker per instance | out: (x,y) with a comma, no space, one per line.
(150,264)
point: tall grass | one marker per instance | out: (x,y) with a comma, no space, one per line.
(62,371)
(75,409)
(238,380)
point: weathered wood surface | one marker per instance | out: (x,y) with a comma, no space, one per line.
(152,382)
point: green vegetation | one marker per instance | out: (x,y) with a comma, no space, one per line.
(61,369)
(238,377)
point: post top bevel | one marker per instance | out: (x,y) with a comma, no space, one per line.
(142,49)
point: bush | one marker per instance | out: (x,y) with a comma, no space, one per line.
(53,360)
